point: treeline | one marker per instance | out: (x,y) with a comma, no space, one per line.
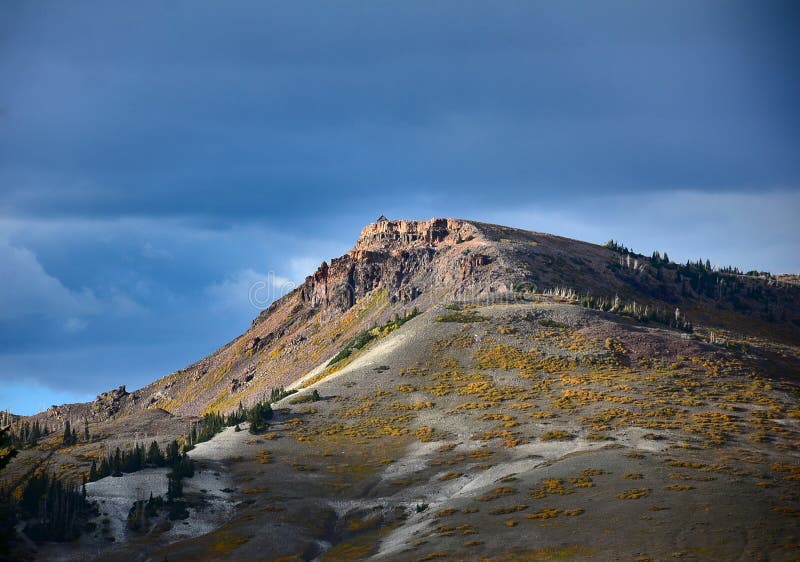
(699,278)
(257,416)
(621,307)
(55,510)
(657,259)
(27,434)
(632,309)
(136,458)
(70,436)
(181,465)
(139,456)
(620,248)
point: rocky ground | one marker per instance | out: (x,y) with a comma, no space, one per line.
(537,431)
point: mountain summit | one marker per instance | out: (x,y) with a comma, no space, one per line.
(399,265)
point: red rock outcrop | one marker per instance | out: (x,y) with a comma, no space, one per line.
(405,257)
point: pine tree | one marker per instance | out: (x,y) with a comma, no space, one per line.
(67,439)
(174,487)
(116,465)
(7,452)
(154,455)
(85,429)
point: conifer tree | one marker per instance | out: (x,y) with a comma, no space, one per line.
(67,438)
(154,455)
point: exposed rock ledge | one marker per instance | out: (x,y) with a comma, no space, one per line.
(384,233)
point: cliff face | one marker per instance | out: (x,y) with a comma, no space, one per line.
(407,259)
(393,267)
(386,234)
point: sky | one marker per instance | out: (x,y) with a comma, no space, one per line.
(159,160)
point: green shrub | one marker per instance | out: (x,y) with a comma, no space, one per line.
(460,316)
(555,435)
(312,396)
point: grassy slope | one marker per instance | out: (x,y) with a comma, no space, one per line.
(583,438)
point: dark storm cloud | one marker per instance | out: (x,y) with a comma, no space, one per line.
(119,109)
(155,158)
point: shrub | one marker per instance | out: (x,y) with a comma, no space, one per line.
(555,435)
(460,316)
(313,396)
(634,494)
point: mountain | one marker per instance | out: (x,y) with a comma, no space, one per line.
(468,390)
(396,266)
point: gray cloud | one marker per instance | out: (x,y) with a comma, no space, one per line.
(156,158)
(27,289)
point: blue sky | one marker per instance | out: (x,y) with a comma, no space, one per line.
(158,158)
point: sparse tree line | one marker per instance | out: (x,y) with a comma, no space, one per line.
(26,434)
(182,467)
(54,509)
(699,278)
(644,313)
(174,456)
(256,416)
(616,305)
(70,436)
(136,458)
(657,259)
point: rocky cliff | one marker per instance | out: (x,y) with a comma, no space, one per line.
(406,259)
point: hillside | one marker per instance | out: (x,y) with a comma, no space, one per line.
(396,266)
(469,390)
